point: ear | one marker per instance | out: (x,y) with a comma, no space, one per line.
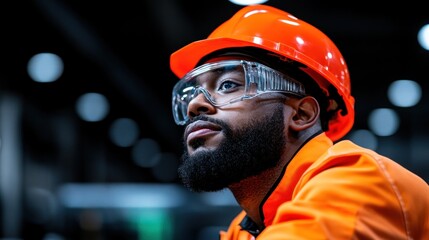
(306,113)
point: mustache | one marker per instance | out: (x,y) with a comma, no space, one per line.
(221,123)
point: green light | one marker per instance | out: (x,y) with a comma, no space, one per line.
(154,224)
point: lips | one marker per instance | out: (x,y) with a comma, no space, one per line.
(199,129)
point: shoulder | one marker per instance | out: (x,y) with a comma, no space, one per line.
(352,168)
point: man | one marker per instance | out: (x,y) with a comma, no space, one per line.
(264,98)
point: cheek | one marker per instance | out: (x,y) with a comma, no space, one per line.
(248,111)
(241,115)
(288,115)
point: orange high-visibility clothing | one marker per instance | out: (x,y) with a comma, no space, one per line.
(341,191)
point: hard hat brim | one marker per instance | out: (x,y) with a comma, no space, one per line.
(185,59)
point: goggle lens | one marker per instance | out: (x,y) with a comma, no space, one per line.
(226,82)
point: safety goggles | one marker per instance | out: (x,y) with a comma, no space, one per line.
(227,82)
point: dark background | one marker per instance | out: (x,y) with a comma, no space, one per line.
(121,49)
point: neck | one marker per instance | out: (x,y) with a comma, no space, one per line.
(251,191)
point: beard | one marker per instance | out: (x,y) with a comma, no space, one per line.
(245,152)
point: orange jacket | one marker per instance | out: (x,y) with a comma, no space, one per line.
(341,191)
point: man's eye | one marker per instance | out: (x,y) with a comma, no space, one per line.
(228,86)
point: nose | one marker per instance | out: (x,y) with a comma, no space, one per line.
(200,105)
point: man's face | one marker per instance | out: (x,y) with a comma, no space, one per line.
(219,153)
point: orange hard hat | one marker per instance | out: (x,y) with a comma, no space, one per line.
(276,31)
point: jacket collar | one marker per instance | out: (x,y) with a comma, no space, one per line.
(282,190)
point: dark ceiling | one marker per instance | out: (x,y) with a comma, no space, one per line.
(122,49)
